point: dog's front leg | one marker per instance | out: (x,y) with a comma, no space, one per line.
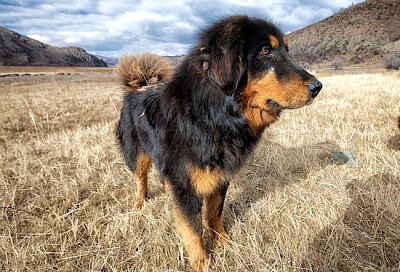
(187,214)
(213,206)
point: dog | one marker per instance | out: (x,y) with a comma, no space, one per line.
(201,121)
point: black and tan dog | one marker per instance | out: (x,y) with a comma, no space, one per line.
(199,125)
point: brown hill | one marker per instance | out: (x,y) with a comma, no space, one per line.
(361,34)
(18,50)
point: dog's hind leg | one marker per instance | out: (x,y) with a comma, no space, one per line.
(143,164)
(138,161)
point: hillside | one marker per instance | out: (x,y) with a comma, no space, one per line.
(361,34)
(19,50)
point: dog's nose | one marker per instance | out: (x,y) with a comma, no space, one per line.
(314,87)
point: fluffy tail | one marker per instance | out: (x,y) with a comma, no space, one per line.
(143,70)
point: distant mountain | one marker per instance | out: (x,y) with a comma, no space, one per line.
(19,50)
(361,34)
(109,60)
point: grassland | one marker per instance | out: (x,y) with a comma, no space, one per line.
(66,197)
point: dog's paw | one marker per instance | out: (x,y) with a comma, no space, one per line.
(220,238)
(138,204)
(201,262)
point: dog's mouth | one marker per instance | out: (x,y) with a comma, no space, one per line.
(271,107)
(272,104)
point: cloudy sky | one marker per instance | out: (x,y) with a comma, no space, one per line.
(112,27)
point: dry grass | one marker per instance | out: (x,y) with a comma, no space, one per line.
(66,196)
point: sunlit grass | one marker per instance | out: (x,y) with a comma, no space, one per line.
(66,196)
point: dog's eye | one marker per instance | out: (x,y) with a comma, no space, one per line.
(265,50)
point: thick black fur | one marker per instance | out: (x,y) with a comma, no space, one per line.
(196,117)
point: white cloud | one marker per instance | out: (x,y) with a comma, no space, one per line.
(41,38)
(299,15)
(165,27)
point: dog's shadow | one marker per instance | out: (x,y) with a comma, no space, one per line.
(368,233)
(394,142)
(272,167)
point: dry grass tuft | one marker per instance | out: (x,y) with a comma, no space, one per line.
(66,198)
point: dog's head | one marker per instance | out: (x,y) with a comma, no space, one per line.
(248,58)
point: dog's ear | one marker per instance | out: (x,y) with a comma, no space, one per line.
(226,66)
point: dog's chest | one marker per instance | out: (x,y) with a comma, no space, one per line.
(234,152)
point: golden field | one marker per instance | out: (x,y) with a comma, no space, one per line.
(66,197)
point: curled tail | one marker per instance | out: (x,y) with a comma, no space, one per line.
(143,70)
